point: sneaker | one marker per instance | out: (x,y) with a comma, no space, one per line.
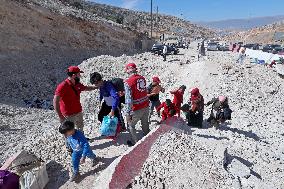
(94,161)
(70,151)
(74,177)
(129,143)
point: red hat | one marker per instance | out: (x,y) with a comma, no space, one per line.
(131,65)
(195,92)
(74,69)
(156,79)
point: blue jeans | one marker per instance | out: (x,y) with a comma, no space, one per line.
(76,156)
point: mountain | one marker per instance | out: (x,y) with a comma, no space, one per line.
(242,24)
(265,34)
(141,21)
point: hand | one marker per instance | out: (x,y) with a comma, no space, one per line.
(83,160)
(111,114)
(61,119)
(159,113)
(128,118)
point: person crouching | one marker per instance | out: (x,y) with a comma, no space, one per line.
(77,141)
(169,109)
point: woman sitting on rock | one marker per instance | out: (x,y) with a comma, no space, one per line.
(220,111)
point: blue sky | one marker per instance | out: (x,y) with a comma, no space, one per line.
(206,10)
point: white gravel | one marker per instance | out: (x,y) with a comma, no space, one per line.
(247,152)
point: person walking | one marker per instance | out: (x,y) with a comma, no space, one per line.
(165,50)
(136,102)
(66,100)
(242,56)
(201,50)
(79,145)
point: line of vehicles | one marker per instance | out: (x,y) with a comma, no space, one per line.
(270,48)
(158,49)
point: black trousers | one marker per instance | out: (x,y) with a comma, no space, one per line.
(165,57)
(105,110)
(195,119)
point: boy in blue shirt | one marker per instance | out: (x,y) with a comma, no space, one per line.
(77,141)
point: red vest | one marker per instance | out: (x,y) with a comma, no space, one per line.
(138,88)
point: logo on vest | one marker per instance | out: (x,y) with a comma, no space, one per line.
(141,85)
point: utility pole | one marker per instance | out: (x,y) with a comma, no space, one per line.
(157,21)
(151,19)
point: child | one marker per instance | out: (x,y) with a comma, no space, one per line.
(153,93)
(178,98)
(186,110)
(79,145)
(169,109)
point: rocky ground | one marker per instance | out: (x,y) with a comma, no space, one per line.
(247,152)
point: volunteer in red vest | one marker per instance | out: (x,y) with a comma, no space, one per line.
(136,102)
(66,100)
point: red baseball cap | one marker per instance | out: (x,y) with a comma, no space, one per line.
(156,79)
(131,65)
(74,69)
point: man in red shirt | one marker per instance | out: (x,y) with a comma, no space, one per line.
(66,100)
(136,102)
(178,98)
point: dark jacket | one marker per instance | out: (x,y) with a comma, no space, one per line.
(217,105)
(107,91)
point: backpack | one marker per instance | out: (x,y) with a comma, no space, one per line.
(224,114)
(118,84)
(9,180)
(227,113)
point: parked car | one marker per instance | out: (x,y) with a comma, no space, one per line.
(281,53)
(223,47)
(158,49)
(172,50)
(252,46)
(212,47)
(270,48)
(276,50)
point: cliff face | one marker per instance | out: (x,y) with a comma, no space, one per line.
(39,39)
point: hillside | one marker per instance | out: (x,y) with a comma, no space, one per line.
(242,24)
(39,39)
(264,34)
(142,21)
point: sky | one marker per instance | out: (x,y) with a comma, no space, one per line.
(205,10)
